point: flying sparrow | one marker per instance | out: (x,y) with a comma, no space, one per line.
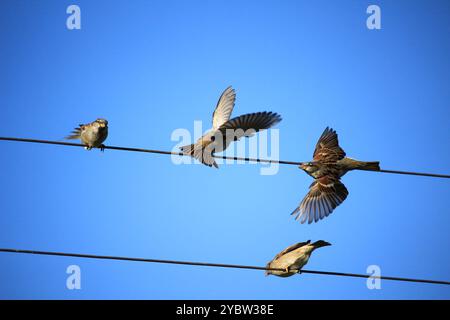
(92,134)
(225,131)
(328,166)
(293,258)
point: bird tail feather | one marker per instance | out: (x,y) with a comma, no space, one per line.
(188,149)
(371,166)
(320,243)
(75,134)
(202,155)
(267,272)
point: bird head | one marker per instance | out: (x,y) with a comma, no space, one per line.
(102,122)
(309,167)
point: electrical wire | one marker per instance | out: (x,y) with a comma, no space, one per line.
(217,265)
(205,264)
(434,175)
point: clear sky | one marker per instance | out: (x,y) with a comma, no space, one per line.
(150,67)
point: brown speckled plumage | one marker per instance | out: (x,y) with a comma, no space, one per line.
(328,166)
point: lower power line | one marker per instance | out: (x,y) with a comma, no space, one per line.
(217,265)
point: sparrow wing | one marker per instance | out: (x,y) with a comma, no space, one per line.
(224,107)
(327,148)
(325,194)
(248,124)
(291,248)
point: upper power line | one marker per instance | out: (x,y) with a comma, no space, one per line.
(296,163)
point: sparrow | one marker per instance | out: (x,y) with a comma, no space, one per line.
(92,134)
(224,131)
(328,166)
(293,258)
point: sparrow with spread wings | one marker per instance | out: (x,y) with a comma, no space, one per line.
(293,258)
(328,166)
(226,130)
(92,134)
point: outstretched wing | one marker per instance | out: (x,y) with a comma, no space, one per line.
(327,148)
(325,194)
(248,124)
(224,107)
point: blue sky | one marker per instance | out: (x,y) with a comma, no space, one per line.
(151,67)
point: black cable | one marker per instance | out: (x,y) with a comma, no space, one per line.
(143,150)
(215,156)
(217,265)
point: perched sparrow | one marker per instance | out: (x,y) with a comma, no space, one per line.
(293,258)
(328,166)
(92,134)
(225,131)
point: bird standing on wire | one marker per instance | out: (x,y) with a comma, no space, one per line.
(293,258)
(225,131)
(328,166)
(92,134)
